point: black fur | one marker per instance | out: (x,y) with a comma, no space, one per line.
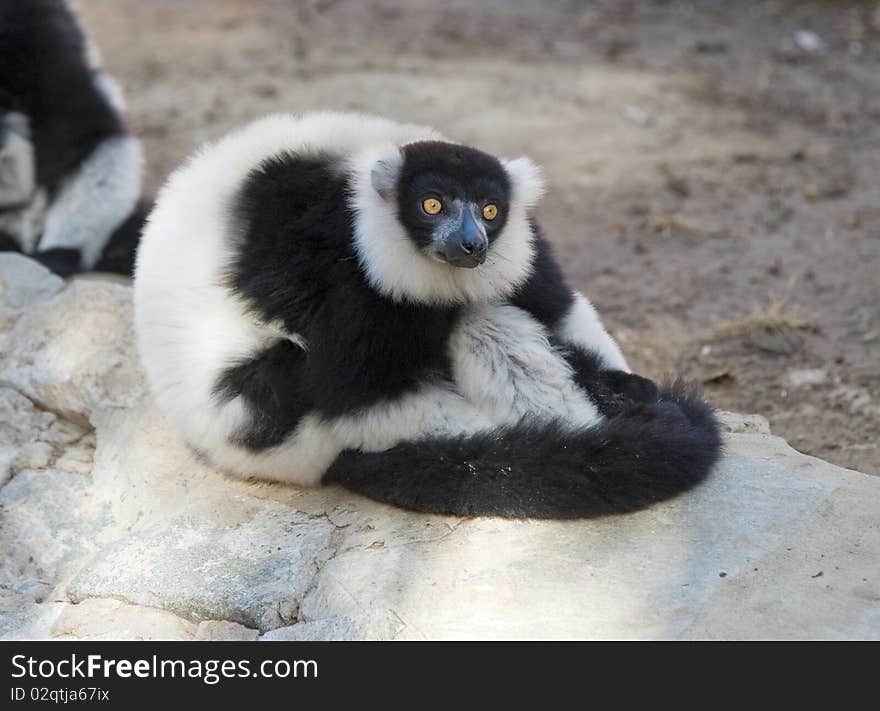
(647,453)
(448,172)
(118,255)
(272,385)
(611,390)
(8,243)
(295,263)
(545,294)
(44,74)
(63,261)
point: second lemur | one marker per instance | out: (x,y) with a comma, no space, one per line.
(343,299)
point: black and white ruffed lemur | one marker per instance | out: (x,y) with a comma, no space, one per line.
(343,299)
(70,173)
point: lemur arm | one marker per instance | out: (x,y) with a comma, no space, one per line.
(566,313)
(582,328)
(94,199)
(275,387)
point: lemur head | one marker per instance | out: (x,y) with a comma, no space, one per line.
(463,214)
(452,200)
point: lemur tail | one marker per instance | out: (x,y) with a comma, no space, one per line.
(647,453)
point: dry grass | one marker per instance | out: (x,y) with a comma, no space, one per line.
(777,314)
(671,223)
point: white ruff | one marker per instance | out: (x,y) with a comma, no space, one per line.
(398,269)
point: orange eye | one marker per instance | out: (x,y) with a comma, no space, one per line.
(432,205)
(490,212)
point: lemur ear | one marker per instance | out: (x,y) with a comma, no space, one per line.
(384,175)
(527,179)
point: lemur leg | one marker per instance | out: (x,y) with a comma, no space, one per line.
(275,429)
(503,362)
(434,410)
(94,200)
(577,333)
(611,390)
(597,360)
(580,339)
(567,314)
(261,422)
(581,327)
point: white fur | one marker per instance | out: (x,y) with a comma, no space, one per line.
(22,203)
(503,362)
(301,459)
(527,180)
(432,410)
(305,455)
(189,327)
(95,199)
(17,172)
(582,326)
(25,224)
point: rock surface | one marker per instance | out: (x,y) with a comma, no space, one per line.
(72,353)
(110,528)
(24,281)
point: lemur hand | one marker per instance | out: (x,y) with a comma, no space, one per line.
(617,390)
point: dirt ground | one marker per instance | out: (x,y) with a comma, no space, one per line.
(713,168)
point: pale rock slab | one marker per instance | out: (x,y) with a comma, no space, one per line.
(22,618)
(775,545)
(224,631)
(31,438)
(49,522)
(379,625)
(254,571)
(48,526)
(98,619)
(24,281)
(74,354)
(353,569)
(122,533)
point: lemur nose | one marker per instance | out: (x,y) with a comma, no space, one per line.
(473,244)
(467,246)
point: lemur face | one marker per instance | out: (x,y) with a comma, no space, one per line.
(452,201)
